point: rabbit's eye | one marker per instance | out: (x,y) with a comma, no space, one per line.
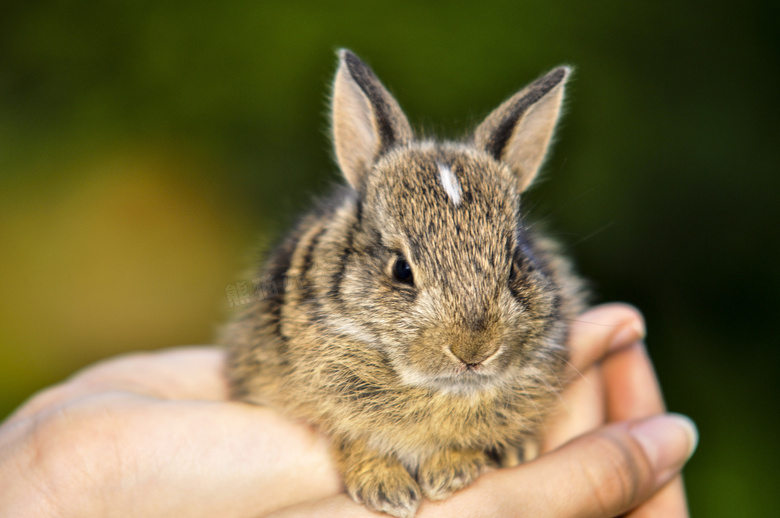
(402,271)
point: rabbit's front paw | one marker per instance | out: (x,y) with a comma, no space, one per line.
(387,488)
(449,471)
(379,482)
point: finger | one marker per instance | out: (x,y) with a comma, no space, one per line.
(669,502)
(618,467)
(594,335)
(633,391)
(177,374)
(604,473)
(581,410)
(603,329)
(194,372)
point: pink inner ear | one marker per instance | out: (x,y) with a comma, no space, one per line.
(354,138)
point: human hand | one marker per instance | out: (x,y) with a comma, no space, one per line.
(152,435)
(617,383)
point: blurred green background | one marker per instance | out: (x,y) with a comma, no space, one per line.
(147,147)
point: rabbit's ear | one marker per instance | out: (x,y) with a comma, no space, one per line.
(366,120)
(519,131)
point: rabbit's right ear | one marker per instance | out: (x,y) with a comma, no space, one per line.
(366,120)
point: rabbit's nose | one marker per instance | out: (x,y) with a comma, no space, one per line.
(473,352)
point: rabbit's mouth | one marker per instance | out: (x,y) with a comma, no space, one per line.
(468,381)
(462,379)
(455,373)
(464,367)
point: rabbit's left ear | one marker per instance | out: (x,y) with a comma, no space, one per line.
(518,132)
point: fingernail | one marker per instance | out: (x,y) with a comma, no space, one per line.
(669,441)
(629,335)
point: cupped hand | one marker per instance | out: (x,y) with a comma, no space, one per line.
(153,434)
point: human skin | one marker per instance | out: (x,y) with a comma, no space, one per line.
(154,434)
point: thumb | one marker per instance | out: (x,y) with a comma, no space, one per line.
(616,468)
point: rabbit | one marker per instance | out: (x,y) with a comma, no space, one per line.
(417,320)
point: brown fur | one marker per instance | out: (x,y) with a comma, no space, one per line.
(419,385)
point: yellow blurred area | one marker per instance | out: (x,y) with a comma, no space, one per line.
(122,253)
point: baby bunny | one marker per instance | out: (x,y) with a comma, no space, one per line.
(418,321)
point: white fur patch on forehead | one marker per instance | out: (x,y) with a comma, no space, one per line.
(450,183)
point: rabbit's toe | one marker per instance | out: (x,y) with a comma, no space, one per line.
(449,471)
(389,489)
